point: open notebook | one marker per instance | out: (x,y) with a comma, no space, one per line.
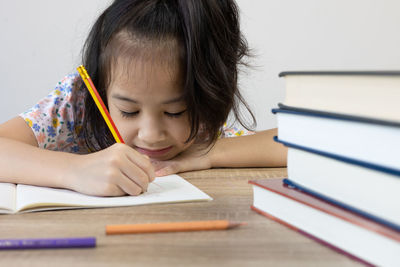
(27,198)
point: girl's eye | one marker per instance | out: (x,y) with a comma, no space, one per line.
(129,114)
(175,115)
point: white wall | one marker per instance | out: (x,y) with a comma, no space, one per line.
(41,41)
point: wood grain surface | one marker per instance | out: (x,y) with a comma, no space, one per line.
(262,242)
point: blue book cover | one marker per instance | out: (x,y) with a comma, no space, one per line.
(364,164)
(371,140)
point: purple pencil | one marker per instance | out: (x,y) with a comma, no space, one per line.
(38,243)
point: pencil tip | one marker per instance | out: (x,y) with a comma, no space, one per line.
(236,224)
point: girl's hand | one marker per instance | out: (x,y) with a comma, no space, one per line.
(194,158)
(115,171)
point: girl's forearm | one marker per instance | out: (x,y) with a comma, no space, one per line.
(22,163)
(258,150)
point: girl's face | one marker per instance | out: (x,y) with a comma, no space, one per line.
(146,105)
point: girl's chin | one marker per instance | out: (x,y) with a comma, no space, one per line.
(164,157)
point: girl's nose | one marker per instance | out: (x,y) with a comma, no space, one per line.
(151,131)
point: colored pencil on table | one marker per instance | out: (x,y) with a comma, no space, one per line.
(37,243)
(170,227)
(99,103)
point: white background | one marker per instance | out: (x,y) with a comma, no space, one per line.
(41,42)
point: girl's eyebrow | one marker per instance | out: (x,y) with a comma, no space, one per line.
(174,100)
(123,98)
(131,100)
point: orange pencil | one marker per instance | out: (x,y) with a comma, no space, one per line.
(100,104)
(170,227)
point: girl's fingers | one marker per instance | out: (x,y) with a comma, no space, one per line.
(114,191)
(135,174)
(129,186)
(143,162)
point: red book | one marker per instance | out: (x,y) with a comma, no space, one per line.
(344,231)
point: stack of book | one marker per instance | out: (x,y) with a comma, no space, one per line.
(342,130)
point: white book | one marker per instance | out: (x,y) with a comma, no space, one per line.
(371,191)
(373,94)
(27,198)
(364,139)
(339,229)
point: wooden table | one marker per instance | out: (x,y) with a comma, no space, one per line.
(262,242)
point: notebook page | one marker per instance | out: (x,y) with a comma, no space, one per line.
(166,189)
(7,197)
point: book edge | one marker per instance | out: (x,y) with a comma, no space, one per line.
(331,115)
(313,237)
(368,165)
(71,207)
(5,209)
(347,208)
(343,72)
(254,182)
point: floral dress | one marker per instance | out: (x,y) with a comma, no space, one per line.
(57,119)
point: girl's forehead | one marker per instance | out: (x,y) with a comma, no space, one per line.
(138,60)
(146,76)
(136,70)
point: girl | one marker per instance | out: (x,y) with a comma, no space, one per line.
(167,71)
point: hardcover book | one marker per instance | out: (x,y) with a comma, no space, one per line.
(373,94)
(360,238)
(365,139)
(368,187)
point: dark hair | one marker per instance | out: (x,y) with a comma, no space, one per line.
(211,48)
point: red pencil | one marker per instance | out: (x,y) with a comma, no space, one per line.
(100,104)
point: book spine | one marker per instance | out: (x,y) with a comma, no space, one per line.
(342,205)
(322,242)
(394,172)
(332,115)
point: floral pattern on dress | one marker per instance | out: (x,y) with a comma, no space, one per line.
(56,120)
(233,131)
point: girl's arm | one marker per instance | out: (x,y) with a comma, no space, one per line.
(21,161)
(257,150)
(117,170)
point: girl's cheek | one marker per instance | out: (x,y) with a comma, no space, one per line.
(126,129)
(183,130)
